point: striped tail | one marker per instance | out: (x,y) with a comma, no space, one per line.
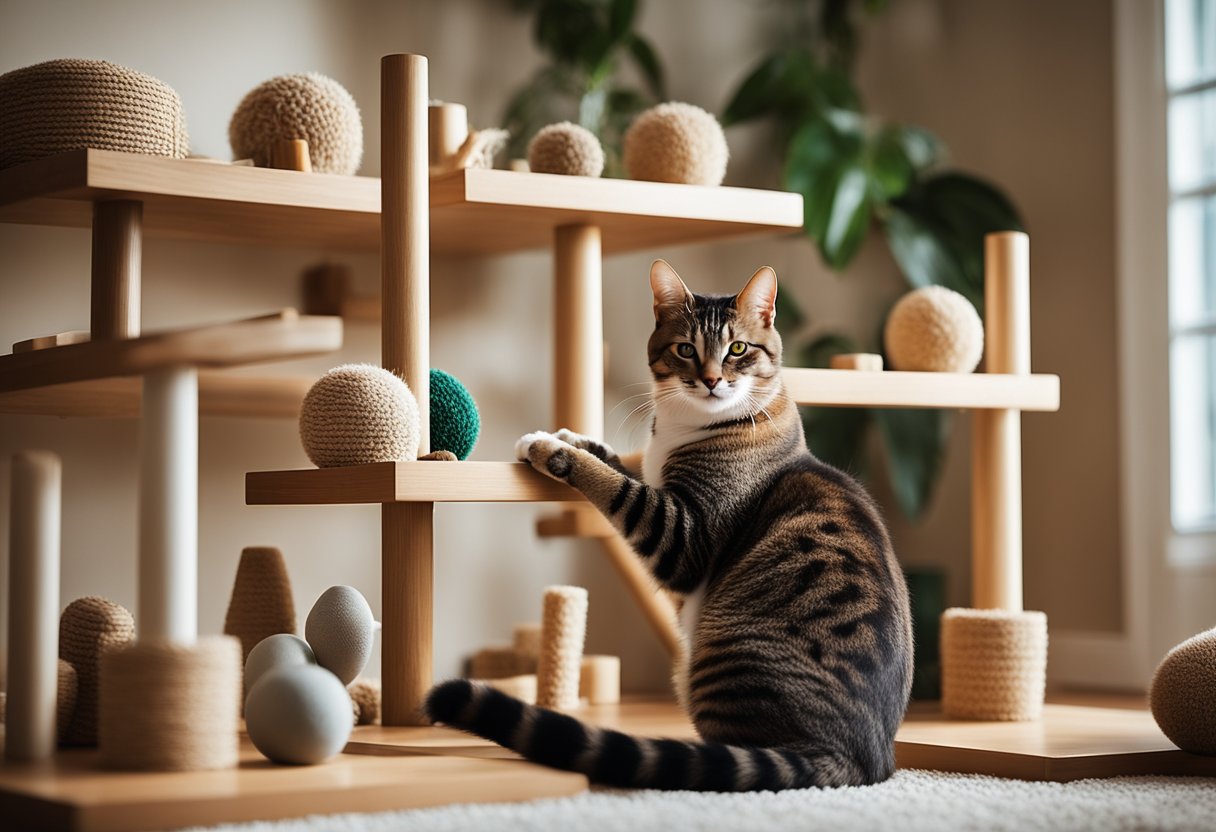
(612,758)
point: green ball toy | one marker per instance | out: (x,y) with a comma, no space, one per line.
(455,422)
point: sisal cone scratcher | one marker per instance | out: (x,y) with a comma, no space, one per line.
(994,664)
(88,627)
(171,707)
(563,626)
(261,603)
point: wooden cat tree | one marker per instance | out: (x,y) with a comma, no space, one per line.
(470,212)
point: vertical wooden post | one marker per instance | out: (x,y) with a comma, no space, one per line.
(996,450)
(407,530)
(578,327)
(117,252)
(168,506)
(33,607)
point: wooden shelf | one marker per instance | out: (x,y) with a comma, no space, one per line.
(219,394)
(407,482)
(282,335)
(473,212)
(978,391)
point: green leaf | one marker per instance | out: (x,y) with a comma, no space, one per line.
(915,441)
(648,62)
(919,249)
(824,164)
(849,218)
(782,84)
(620,18)
(894,157)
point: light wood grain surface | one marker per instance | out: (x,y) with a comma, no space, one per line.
(856,388)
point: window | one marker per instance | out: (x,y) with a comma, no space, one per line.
(1190,58)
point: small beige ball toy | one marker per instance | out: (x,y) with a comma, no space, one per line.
(310,107)
(567,149)
(934,329)
(676,142)
(1183,694)
(356,414)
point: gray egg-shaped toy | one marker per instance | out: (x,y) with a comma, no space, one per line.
(272,652)
(298,714)
(340,628)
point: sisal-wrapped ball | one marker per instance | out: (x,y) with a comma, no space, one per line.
(567,149)
(71,104)
(357,414)
(676,142)
(1183,694)
(934,329)
(455,422)
(308,106)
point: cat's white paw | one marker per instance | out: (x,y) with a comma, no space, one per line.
(523,445)
(546,453)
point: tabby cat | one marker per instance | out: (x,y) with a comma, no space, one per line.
(798,629)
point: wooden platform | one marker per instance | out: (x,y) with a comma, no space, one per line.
(473,212)
(889,388)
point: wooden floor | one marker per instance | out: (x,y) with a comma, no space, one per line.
(398,768)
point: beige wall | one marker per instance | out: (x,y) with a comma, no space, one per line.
(1019,91)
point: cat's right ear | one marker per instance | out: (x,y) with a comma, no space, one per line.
(669,290)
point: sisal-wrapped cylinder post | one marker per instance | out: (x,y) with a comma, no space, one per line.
(994,664)
(563,626)
(600,680)
(169,706)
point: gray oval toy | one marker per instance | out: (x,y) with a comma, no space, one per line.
(340,628)
(298,714)
(273,652)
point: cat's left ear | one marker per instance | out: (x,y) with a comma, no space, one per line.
(759,296)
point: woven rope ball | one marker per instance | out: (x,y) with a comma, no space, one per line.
(310,107)
(72,104)
(455,422)
(357,414)
(1183,694)
(676,142)
(934,329)
(566,149)
(88,628)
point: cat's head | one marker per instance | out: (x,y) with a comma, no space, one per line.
(714,356)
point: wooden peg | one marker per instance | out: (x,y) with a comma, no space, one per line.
(865,361)
(291,154)
(448,132)
(59,339)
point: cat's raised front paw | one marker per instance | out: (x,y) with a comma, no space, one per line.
(586,443)
(545,452)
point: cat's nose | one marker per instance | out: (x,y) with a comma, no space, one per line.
(710,382)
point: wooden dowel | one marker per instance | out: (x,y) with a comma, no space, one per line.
(291,154)
(655,604)
(168,506)
(578,327)
(448,129)
(117,254)
(996,446)
(33,607)
(405,229)
(407,539)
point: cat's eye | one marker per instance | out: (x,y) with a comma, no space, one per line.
(685,350)
(738,348)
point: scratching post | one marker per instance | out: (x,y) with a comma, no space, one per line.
(67,691)
(33,606)
(89,627)
(599,681)
(563,627)
(994,657)
(169,706)
(261,603)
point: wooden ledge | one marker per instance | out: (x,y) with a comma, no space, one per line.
(969,391)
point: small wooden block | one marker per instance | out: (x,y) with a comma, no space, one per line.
(599,680)
(291,154)
(865,361)
(59,339)
(519,166)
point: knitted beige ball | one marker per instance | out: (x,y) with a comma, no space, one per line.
(934,329)
(356,414)
(676,142)
(1183,694)
(71,104)
(567,149)
(310,107)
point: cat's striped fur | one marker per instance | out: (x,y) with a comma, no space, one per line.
(800,646)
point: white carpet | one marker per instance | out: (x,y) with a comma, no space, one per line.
(911,801)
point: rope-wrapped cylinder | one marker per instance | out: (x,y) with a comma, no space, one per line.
(167,706)
(87,628)
(563,626)
(994,664)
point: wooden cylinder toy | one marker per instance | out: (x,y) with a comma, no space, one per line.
(291,154)
(33,607)
(168,706)
(994,664)
(563,627)
(168,506)
(116,273)
(599,681)
(448,127)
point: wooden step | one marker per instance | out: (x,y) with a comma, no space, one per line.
(473,212)
(889,388)
(284,334)
(407,482)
